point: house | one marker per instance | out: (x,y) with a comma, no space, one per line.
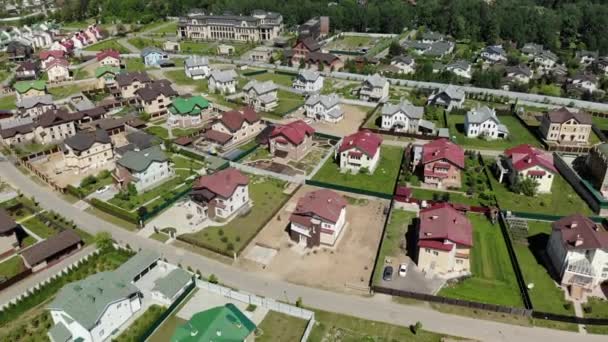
(262,96)
(318,219)
(143,168)
(302,48)
(26,71)
(525,161)
(292,140)
(54,125)
(109,57)
(29,88)
(448,97)
(240,125)
(494,54)
(440,49)
(129,82)
(442,162)
(324,107)
(565,127)
(197,67)
(404,64)
(374,88)
(483,122)
(578,250)
(586,57)
(530,49)
(52,249)
(323,61)
(258,27)
(359,152)
(8,233)
(308,81)
(154,57)
(225,50)
(18,52)
(518,74)
(220,195)
(429,37)
(260,54)
(445,239)
(546,60)
(223,81)
(226,321)
(86,150)
(191,111)
(402,117)
(58,70)
(106,76)
(316,27)
(34,106)
(136,141)
(585,81)
(597,166)
(155,97)
(460,68)
(167,289)
(18,133)
(601,64)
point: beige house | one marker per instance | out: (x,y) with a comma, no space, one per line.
(242,125)
(565,127)
(291,141)
(54,125)
(130,82)
(58,70)
(87,150)
(258,27)
(8,235)
(155,97)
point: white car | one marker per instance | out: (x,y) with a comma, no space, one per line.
(402,270)
(103,189)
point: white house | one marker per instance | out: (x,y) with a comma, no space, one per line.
(578,250)
(220,195)
(57,70)
(494,54)
(374,88)
(308,81)
(324,107)
(404,64)
(359,150)
(460,68)
(585,81)
(519,74)
(197,67)
(144,169)
(449,97)
(222,81)
(546,60)
(525,161)
(170,286)
(483,122)
(402,117)
(262,96)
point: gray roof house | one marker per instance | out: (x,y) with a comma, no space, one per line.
(325,107)
(374,88)
(32,101)
(405,117)
(82,141)
(260,88)
(532,49)
(476,124)
(197,67)
(223,75)
(139,161)
(449,97)
(440,49)
(144,168)
(169,287)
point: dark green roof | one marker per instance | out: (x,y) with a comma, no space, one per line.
(106,69)
(222,323)
(140,160)
(24,86)
(188,105)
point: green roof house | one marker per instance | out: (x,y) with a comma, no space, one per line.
(220,324)
(144,168)
(189,111)
(104,71)
(30,88)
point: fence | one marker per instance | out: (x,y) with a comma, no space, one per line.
(15,279)
(255,72)
(328,155)
(167,203)
(569,319)
(349,189)
(114,210)
(299,179)
(245,153)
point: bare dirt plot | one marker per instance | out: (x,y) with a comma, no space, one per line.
(346,267)
(53,166)
(353,118)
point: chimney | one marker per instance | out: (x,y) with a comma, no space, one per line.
(573,225)
(579,240)
(434,217)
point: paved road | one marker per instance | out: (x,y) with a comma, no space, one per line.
(379,308)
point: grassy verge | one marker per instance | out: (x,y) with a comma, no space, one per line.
(599,309)
(11,267)
(277,326)
(111,219)
(107,44)
(160,237)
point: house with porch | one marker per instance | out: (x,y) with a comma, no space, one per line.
(525,161)
(359,151)
(324,107)
(262,96)
(292,140)
(220,195)
(442,163)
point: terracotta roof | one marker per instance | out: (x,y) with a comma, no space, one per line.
(222,183)
(234,119)
(217,136)
(108,53)
(580,232)
(294,132)
(51,53)
(364,141)
(525,156)
(50,247)
(444,222)
(57,62)
(563,114)
(443,149)
(7,224)
(321,204)
(183,141)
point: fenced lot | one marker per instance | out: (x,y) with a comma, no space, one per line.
(277,326)
(280,79)
(353,118)
(382,180)
(518,133)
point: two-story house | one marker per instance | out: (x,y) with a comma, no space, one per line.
(8,233)
(460,68)
(129,82)
(403,65)
(34,106)
(359,151)
(525,161)
(85,150)
(154,57)
(374,88)
(54,125)
(189,111)
(483,122)
(143,168)
(302,48)
(262,96)
(584,81)
(442,162)
(197,67)
(106,76)
(324,107)
(26,71)
(222,81)
(109,58)
(323,61)
(155,97)
(58,70)
(563,126)
(448,97)
(401,117)
(29,88)
(518,74)
(318,219)
(50,55)
(308,81)
(493,54)
(241,125)
(292,140)
(220,195)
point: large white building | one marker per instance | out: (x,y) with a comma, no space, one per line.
(483,122)
(402,117)
(324,107)
(308,81)
(259,27)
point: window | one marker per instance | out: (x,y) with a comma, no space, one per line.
(459,261)
(435,253)
(427,250)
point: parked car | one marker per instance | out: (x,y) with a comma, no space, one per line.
(402,270)
(103,189)
(387,275)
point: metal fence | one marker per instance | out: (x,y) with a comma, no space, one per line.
(298,179)
(349,189)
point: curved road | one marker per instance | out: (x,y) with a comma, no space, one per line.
(379,308)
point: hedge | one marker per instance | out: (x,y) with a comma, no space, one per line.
(114,210)
(191,155)
(288,73)
(74,191)
(197,243)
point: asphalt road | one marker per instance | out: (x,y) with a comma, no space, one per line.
(379,308)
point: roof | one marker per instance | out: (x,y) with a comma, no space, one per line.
(443,149)
(139,161)
(32,101)
(141,139)
(196,61)
(127,78)
(223,76)
(60,333)
(57,62)
(364,141)
(295,131)
(580,232)
(403,59)
(327,101)
(150,50)
(217,136)
(102,70)
(137,264)
(444,222)
(51,53)
(452,92)
(154,89)
(107,53)
(27,66)
(222,183)
(51,247)
(481,114)
(307,75)
(495,50)
(317,57)
(12,131)
(324,204)
(309,43)
(188,105)
(82,141)
(563,114)
(519,70)
(376,81)
(172,283)
(222,323)
(260,87)
(7,224)
(405,107)
(459,64)
(55,117)
(431,35)
(525,156)
(24,86)
(234,119)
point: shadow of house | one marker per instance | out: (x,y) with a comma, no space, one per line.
(537,245)
(411,239)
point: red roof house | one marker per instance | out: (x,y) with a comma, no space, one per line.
(233,120)
(360,149)
(217,193)
(109,57)
(318,218)
(442,161)
(292,140)
(530,162)
(44,55)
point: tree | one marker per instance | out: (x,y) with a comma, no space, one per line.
(142,211)
(415,327)
(213,279)
(527,186)
(103,240)
(302,63)
(395,49)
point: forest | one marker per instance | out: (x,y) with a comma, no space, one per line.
(558,24)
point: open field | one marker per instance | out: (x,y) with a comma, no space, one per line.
(107,44)
(277,326)
(287,101)
(281,79)
(180,78)
(518,134)
(353,118)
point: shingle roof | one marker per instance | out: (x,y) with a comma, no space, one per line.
(325,204)
(443,149)
(308,75)
(140,160)
(150,50)
(525,156)
(196,61)
(453,92)
(294,131)
(154,89)
(590,235)
(481,114)
(234,119)
(223,323)
(12,131)
(51,247)
(32,101)
(124,79)
(260,87)
(365,141)
(217,136)
(27,66)
(55,117)
(82,141)
(519,70)
(327,101)
(222,183)
(7,224)
(60,333)
(310,44)
(188,105)
(170,284)
(107,53)
(376,81)
(316,57)
(459,64)
(443,222)
(51,53)
(223,76)
(411,111)
(563,114)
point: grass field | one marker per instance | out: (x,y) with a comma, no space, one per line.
(141,43)
(174,184)
(281,79)
(158,131)
(349,43)
(492,272)
(382,180)
(393,235)
(518,134)
(287,101)
(11,267)
(64,91)
(107,44)
(37,227)
(134,64)
(601,123)
(277,326)
(599,309)
(179,77)
(8,102)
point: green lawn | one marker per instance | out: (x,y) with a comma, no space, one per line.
(174,184)
(169,28)
(601,123)
(158,131)
(562,200)
(546,296)
(107,44)
(179,77)
(136,330)
(181,162)
(281,79)
(382,180)
(11,267)
(8,102)
(518,134)
(134,64)
(393,235)
(81,74)
(287,102)
(267,197)
(427,194)
(36,226)
(492,272)
(160,237)
(599,309)
(349,43)
(64,91)
(184,132)
(141,43)
(277,326)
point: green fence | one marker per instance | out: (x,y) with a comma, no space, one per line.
(192,155)
(168,202)
(288,73)
(348,53)
(255,72)
(349,189)
(326,136)
(547,217)
(245,153)
(114,210)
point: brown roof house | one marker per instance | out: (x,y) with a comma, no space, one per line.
(319,218)
(8,235)
(220,195)
(50,250)
(291,141)
(578,250)
(88,150)
(155,97)
(235,127)
(563,126)
(129,82)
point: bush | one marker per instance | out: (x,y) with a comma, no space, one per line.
(415,327)
(115,211)
(299,302)
(213,279)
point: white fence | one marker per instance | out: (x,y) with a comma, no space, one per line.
(358,103)
(266,303)
(299,179)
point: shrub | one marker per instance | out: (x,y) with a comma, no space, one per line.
(114,210)
(299,302)
(415,327)
(213,279)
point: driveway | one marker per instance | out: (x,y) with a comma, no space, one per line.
(106,195)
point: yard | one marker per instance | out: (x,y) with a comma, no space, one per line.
(158,131)
(107,44)
(492,272)
(350,43)
(132,202)
(518,134)
(599,309)
(181,162)
(37,227)
(287,101)
(393,236)
(8,102)
(141,43)
(134,64)
(180,78)
(277,326)
(138,327)
(11,267)
(281,79)
(381,181)
(64,91)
